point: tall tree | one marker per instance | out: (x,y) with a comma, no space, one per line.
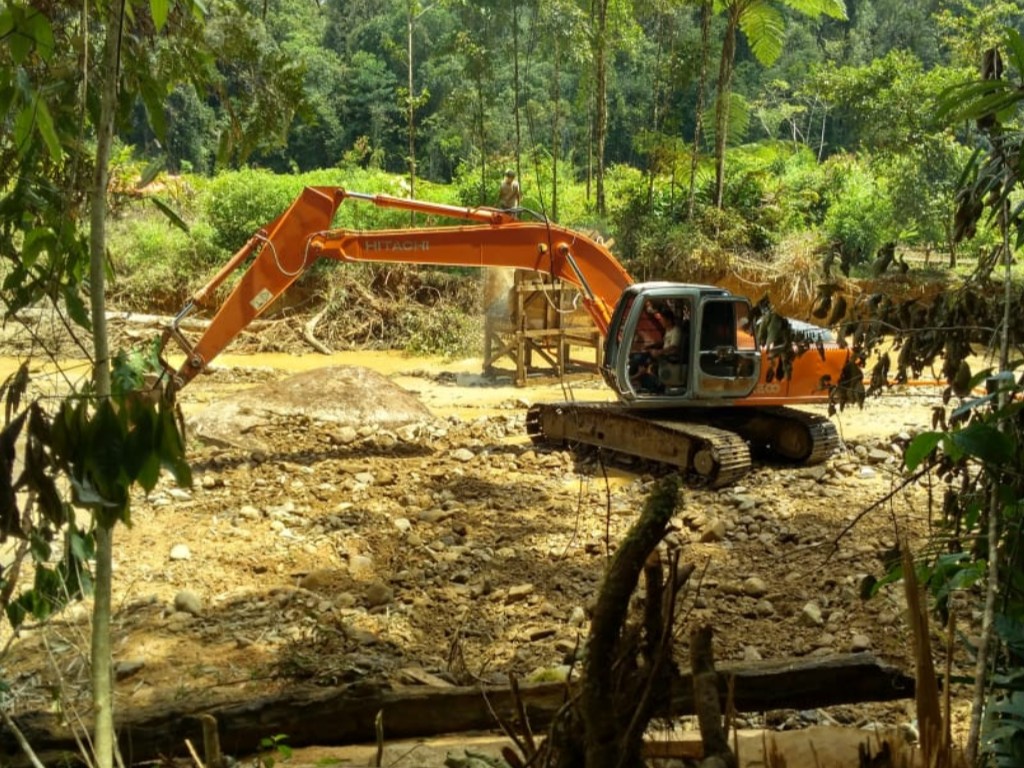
(599,24)
(59,152)
(763,25)
(706,12)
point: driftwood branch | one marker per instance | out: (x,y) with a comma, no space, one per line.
(308,333)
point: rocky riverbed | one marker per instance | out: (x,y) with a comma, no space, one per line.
(445,547)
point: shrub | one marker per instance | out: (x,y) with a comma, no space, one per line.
(442,330)
(156,265)
(241,202)
(860,215)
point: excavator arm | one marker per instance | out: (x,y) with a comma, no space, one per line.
(277,255)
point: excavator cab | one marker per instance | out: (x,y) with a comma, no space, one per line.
(671,344)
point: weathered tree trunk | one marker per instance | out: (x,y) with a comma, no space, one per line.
(605,713)
(725,68)
(706,10)
(600,95)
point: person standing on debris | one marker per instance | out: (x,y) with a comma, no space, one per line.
(509,195)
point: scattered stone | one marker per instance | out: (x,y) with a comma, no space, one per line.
(578,617)
(714,531)
(435,515)
(541,633)
(860,643)
(402,523)
(750,653)
(180,552)
(519,592)
(360,565)
(463,455)
(188,602)
(344,436)
(755,587)
(378,594)
(125,669)
(811,615)
(817,473)
(878,456)
(320,580)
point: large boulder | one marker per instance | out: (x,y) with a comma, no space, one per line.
(340,395)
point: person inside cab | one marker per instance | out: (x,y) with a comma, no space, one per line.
(659,360)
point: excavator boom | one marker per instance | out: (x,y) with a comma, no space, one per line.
(288,246)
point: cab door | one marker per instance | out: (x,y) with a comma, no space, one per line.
(727,360)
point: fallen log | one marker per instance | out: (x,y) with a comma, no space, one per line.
(346,715)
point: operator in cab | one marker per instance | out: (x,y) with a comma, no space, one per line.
(667,346)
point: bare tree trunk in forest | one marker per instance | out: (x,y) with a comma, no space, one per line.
(411,116)
(722,106)
(706,10)
(600,95)
(483,138)
(102,663)
(656,107)
(555,143)
(590,157)
(515,85)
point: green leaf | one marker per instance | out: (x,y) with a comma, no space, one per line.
(921,448)
(23,130)
(1015,48)
(106,450)
(151,171)
(38,27)
(984,442)
(86,495)
(140,444)
(170,213)
(44,124)
(6,22)
(765,30)
(172,447)
(19,41)
(40,548)
(160,9)
(81,545)
(16,613)
(153,97)
(835,9)
(149,473)
(76,307)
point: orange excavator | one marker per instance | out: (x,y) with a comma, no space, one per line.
(695,388)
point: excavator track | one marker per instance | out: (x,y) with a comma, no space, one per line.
(716,457)
(781,434)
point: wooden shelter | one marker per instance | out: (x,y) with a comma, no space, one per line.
(538,323)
